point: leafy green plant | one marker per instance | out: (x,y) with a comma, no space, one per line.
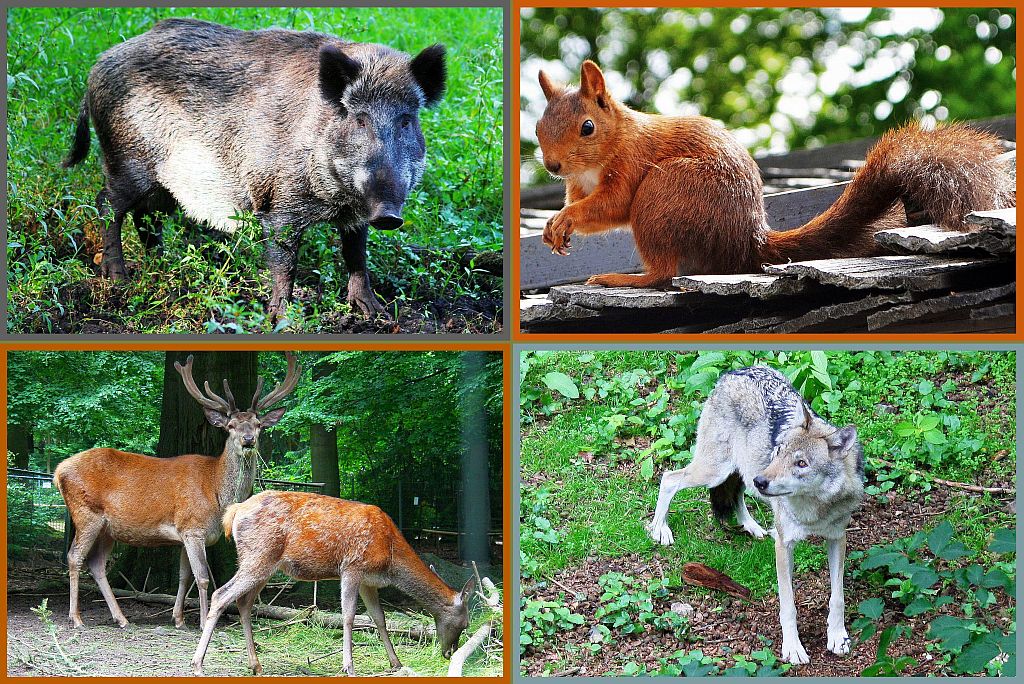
(541,620)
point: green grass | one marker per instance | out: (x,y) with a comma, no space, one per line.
(285,650)
(206,284)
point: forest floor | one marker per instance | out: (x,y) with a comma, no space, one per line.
(150,646)
(600,598)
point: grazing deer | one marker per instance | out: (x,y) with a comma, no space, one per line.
(148,501)
(315,537)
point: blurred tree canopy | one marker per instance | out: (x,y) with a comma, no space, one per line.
(397,417)
(780,78)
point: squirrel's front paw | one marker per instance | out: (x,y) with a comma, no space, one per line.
(557,232)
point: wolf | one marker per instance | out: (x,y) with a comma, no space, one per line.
(756,431)
(293,126)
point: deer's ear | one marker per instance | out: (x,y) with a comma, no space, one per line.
(467,590)
(216,418)
(270,418)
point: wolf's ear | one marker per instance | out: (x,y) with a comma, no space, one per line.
(428,68)
(804,416)
(842,440)
(592,83)
(337,71)
(549,87)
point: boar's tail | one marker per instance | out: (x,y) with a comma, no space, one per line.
(80,147)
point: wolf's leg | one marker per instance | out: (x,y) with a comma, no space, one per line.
(744,518)
(792,650)
(700,473)
(838,639)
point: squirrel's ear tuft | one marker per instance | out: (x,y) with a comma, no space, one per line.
(550,88)
(592,81)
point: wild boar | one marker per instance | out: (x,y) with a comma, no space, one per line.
(295,127)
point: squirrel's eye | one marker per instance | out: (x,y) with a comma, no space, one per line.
(801,463)
(588,128)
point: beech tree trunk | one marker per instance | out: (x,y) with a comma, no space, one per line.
(474,504)
(323,447)
(185,430)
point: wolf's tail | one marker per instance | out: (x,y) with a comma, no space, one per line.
(725,498)
(80,146)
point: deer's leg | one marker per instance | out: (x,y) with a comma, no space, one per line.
(184,584)
(97,560)
(245,580)
(350,582)
(86,532)
(372,603)
(195,547)
(245,603)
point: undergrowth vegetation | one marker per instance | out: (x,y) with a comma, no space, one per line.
(931,571)
(428,273)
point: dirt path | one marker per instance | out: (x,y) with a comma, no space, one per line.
(721,626)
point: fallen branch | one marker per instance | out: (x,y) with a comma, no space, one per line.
(949,483)
(321,617)
(704,576)
(459,657)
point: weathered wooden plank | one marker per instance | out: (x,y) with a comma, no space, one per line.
(832,313)
(914,272)
(597,297)
(1001,220)
(1004,310)
(934,305)
(929,239)
(539,309)
(794,208)
(612,252)
(759,285)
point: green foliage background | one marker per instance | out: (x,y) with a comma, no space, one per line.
(739,56)
(398,417)
(458,204)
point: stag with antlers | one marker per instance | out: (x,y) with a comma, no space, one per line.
(148,501)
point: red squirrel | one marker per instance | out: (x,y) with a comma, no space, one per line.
(692,195)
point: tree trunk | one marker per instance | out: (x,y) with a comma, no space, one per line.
(185,430)
(323,445)
(323,452)
(474,504)
(19,443)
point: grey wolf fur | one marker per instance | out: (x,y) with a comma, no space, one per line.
(295,127)
(755,430)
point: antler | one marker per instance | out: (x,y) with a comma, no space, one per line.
(286,387)
(212,401)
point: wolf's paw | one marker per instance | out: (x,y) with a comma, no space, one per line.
(662,535)
(793,652)
(754,529)
(839,641)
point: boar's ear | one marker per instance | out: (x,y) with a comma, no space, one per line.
(337,71)
(429,71)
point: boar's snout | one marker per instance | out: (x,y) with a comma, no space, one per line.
(387,217)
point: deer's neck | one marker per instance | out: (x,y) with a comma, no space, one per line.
(411,575)
(237,474)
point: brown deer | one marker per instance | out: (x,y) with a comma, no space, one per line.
(315,537)
(148,501)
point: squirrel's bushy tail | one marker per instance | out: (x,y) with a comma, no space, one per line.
(947,173)
(80,146)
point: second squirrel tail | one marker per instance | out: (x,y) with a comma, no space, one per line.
(947,173)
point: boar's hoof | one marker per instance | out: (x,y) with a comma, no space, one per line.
(113,269)
(367,302)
